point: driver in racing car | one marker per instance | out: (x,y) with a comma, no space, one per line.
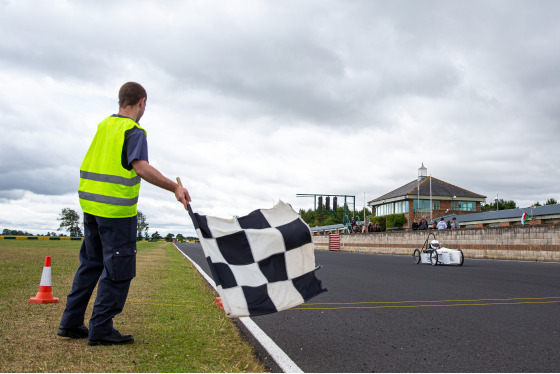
(434,245)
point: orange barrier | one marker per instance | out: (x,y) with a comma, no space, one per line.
(334,242)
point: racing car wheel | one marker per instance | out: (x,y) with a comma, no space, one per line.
(434,258)
(416,256)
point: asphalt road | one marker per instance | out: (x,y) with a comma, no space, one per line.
(384,313)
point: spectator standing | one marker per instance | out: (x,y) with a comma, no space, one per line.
(441,225)
(423,225)
(415,225)
(454,224)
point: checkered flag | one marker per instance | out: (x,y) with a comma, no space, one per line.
(262,263)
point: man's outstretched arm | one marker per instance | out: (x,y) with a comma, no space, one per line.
(153,176)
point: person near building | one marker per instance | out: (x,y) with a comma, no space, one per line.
(110,176)
(423,224)
(441,224)
(454,223)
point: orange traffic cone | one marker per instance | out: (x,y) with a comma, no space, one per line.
(45,294)
(219,303)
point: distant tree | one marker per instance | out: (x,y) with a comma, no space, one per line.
(551,201)
(156,236)
(169,237)
(70,221)
(180,237)
(327,218)
(143,225)
(502,205)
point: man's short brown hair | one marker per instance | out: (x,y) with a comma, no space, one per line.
(130,94)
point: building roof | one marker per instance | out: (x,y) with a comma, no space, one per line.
(493,215)
(438,188)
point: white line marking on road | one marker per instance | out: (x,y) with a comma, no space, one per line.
(277,354)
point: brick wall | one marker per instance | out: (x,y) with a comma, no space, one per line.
(529,242)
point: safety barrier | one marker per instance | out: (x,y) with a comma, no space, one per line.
(11,237)
(334,242)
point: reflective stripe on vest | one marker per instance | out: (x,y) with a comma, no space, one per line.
(107,199)
(110,178)
(106,188)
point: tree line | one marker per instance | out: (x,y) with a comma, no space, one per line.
(510,204)
(328,218)
(70,221)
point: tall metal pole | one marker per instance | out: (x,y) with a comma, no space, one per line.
(418,200)
(364,208)
(430,197)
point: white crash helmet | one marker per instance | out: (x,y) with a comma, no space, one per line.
(434,244)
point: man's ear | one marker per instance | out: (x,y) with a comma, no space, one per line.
(142,102)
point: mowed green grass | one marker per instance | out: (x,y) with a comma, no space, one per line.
(170,311)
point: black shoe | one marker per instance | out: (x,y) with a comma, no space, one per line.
(116,338)
(74,332)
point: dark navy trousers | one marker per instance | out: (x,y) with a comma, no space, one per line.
(108,260)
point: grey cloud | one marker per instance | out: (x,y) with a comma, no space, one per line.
(47,181)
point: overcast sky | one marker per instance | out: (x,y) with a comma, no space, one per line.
(250,102)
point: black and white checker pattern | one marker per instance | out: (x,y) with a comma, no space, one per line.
(262,263)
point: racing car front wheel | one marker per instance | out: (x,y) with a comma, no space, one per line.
(416,256)
(434,258)
(462,258)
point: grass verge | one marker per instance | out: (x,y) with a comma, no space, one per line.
(169,310)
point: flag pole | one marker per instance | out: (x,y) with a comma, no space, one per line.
(189,209)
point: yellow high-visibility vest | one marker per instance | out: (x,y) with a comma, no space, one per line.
(106,188)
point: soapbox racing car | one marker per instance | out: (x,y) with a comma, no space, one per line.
(432,253)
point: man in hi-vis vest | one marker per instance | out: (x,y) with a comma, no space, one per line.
(110,176)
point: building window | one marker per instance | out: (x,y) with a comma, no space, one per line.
(421,205)
(467,206)
(425,205)
(401,207)
(392,208)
